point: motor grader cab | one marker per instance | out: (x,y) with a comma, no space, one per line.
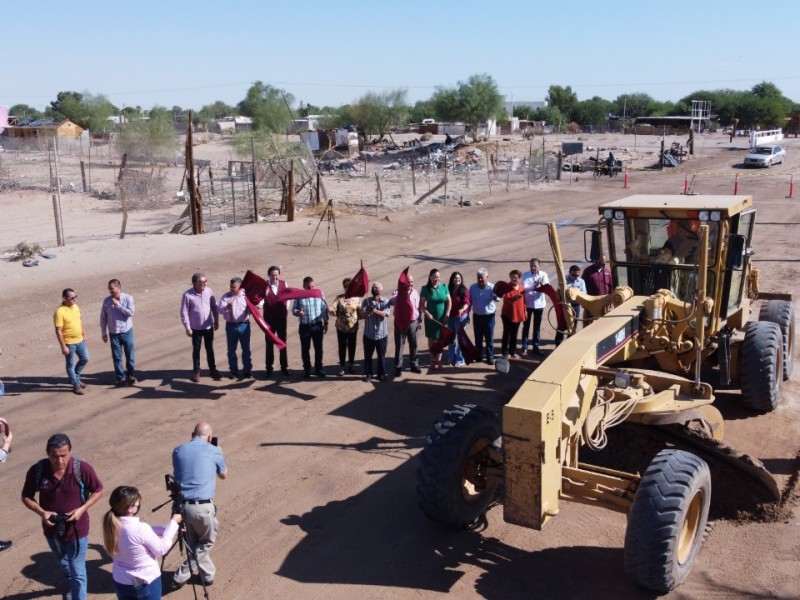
(675,324)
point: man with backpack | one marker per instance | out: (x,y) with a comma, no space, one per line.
(67,488)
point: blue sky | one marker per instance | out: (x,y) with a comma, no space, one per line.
(329,53)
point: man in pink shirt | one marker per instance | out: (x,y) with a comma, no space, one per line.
(233,308)
(200,317)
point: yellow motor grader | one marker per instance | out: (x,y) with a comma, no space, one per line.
(678,317)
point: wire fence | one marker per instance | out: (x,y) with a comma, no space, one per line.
(112,193)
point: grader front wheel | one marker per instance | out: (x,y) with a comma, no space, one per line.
(762,366)
(667,520)
(455,484)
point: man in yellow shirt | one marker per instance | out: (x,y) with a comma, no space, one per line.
(71,337)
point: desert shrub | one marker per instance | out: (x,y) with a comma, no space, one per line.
(24,250)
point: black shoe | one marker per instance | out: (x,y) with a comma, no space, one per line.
(247,375)
(176,585)
(208,583)
(398,371)
(367,376)
(536,351)
(416,369)
(319,373)
(233,375)
(382,377)
(6,545)
(286,371)
(215,375)
(307,374)
(351,369)
(121,383)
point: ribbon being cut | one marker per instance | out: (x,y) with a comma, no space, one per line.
(255,288)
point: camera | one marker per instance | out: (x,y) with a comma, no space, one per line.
(60,521)
(215,441)
(174,489)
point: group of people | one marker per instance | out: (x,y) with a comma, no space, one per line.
(435,308)
(61,489)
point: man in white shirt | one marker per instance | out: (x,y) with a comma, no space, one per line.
(535,303)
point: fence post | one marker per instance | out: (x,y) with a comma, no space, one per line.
(736,185)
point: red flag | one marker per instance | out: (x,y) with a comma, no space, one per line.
(279,343)
(295,293)
(501,288)
(255,287)
(468,349)
(403,308)
(358,285)
(445,337)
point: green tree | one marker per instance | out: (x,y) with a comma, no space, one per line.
(211,112)
(24,111)
(422,109)
(97,110)
(376,112)
(591,113)
(153,139)
(562,98)
(268,106)
(473,102)
(552,116)
(634,105)
(67,105)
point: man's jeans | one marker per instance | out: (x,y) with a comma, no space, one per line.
(483,327)
(72,556)
(238,333)
(123,342)
(400,338)
(535,315)
(203,336)
(311,333)
(74,370)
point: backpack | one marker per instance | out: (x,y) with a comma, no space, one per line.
(76,471)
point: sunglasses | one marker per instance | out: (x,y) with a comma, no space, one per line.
(75,297)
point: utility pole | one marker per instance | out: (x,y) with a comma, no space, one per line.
(255,191)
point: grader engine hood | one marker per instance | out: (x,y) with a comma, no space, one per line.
(549,408)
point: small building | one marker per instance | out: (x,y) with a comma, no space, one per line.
(231,125)
(44,128)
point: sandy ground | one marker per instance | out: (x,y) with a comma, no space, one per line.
(320,499)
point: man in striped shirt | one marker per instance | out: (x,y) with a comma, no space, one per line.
(313,315)
(375,312)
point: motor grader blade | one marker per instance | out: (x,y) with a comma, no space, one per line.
(740,482)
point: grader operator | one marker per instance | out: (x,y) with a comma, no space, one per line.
(678,319)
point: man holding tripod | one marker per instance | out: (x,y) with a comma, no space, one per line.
(196,466)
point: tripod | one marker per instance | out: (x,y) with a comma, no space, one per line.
(328,212)
(179,506)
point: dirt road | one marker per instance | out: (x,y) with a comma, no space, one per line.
(320,498)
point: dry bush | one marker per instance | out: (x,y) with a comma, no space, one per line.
(24,250)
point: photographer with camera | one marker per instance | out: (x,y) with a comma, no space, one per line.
(135,546)
(67,487)
(196,466)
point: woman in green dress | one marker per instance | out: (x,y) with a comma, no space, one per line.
(435,303)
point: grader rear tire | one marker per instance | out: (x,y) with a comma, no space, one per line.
(452,486)
(781,313)
(667,520)
(762,366)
